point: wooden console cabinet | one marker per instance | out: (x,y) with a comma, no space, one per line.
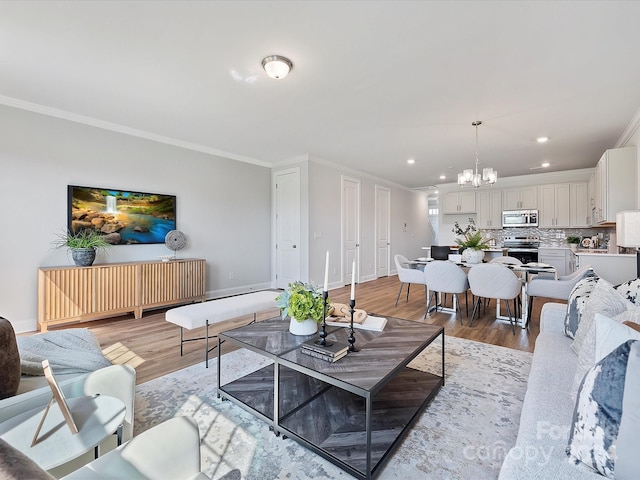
(76,294)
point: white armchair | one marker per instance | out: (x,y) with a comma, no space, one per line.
(169,450)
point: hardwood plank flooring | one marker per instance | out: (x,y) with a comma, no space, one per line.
(152,345)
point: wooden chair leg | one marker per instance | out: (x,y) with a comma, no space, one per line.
(511,320)
(399,292)
(476,305)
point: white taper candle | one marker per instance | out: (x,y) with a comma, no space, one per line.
(353,281)
(326,273)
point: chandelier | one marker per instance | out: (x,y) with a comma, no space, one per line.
(469,177)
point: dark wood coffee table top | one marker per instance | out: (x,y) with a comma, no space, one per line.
(381,353)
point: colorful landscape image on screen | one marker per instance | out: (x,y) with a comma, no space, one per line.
(124,217)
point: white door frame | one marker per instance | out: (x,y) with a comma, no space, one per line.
(387,226)
(344,268)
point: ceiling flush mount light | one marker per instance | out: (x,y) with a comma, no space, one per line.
(545,165)
(411,161)
(470,178)
(542,139)
(277,66)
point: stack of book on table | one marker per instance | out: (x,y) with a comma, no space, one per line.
(331,353)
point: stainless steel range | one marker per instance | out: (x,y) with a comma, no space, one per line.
(523,248)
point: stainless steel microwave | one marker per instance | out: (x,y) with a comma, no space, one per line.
(520,218)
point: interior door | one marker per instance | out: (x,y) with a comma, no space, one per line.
(383,227)
(350,227)
(287,207)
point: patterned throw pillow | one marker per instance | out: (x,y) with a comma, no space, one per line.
(577,299)
(630,290)
(604,433)
(604,300)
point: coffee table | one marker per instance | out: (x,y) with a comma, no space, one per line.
(353,412)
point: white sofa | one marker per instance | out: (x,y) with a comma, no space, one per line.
(116,381)
(547,412)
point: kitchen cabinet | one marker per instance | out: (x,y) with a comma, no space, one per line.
(553,205)
(460,202)
(489,206)
(615,184)
(579,205)
(558,257)
(77,294)
(520,198)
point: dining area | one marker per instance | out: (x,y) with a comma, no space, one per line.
(449,280)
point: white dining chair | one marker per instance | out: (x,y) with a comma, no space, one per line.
(493,280)
(443,276)
(558,289)
(408,275)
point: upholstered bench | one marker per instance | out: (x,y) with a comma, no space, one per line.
(214,311)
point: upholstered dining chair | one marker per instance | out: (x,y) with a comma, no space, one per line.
(493,280)
(442,276)
(558,289)
(507,260)
(408,275)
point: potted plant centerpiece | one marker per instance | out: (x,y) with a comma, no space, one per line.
(303,302)
(471,242)
(573,242)
(83,245)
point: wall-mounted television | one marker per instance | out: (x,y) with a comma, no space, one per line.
(125,217)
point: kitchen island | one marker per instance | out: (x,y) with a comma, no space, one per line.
(615,268)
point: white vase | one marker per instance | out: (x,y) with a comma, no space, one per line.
(472,256)
(305,327)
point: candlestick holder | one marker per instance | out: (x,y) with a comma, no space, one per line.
(352,338)
(323,333)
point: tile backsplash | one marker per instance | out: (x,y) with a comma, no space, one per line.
(551,237)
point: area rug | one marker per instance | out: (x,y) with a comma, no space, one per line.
(464,433)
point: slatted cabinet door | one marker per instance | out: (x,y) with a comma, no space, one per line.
(74,294)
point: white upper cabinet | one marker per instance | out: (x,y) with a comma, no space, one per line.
(615,184)
(489,205)
(460,202)
(579,205)
(520,198)
(553,205)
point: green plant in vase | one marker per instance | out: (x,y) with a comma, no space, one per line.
(83,245)
(304,303)
(471,242)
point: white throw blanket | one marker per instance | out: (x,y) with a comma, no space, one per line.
(75,350)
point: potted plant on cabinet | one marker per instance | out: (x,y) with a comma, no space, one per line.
(573,242)
(303,302)
(83,245)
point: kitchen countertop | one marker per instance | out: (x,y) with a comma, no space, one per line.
(603,253)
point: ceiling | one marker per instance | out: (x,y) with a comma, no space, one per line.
(374,83)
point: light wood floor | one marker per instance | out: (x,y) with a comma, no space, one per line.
(152,345)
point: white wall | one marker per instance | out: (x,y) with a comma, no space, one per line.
(224,206)
(407,206)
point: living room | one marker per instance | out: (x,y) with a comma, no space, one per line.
(60,127)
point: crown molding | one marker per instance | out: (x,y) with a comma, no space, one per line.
(630,131)
(114,127)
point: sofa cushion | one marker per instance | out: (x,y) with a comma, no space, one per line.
(604,299)
(598,413)
(630,290)
(9,360)
(576,301)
